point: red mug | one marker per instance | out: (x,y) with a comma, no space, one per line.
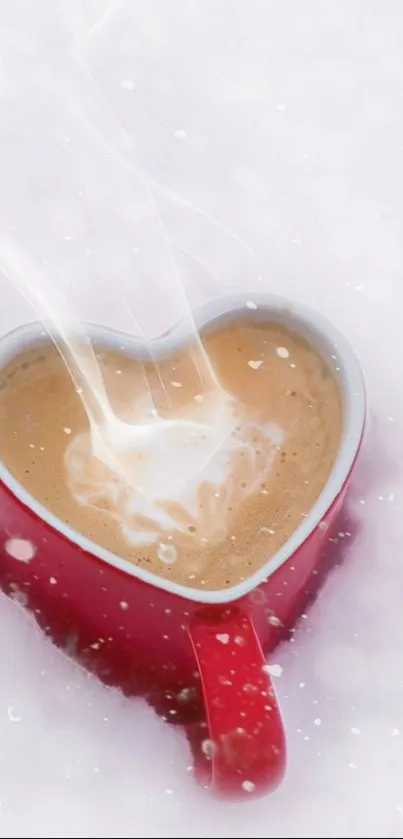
(198,656)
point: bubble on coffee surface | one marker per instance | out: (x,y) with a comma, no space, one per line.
(167,554)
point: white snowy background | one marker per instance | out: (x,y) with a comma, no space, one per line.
(284,121)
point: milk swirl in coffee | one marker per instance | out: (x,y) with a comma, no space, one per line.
(204,507)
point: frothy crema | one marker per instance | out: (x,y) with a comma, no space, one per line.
(206,507)
(179,479)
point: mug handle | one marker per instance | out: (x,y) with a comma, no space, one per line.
(240,750)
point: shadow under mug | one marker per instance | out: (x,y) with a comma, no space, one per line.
(200,656)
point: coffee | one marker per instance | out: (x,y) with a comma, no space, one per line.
(284,415)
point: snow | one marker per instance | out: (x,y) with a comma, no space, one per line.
(290,118)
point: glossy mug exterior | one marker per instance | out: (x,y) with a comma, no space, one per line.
(199,656)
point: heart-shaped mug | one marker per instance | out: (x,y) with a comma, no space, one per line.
(199,656)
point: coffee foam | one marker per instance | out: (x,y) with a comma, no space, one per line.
(279,431)
(153,489)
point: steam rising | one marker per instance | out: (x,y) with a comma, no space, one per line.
(89,163)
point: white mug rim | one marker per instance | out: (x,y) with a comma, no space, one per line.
(317,329)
